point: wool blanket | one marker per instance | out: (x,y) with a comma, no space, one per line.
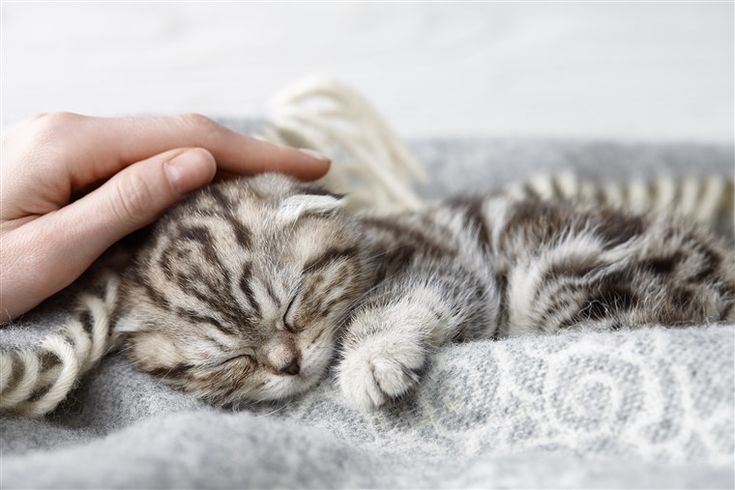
(651,408)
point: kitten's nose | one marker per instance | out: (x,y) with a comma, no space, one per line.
(292,368)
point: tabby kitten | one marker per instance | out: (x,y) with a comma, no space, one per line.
(248,289)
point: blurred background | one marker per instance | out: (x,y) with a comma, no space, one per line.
(625,70)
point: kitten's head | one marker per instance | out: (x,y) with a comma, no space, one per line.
(241,289)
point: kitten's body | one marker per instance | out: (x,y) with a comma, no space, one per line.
(249,289)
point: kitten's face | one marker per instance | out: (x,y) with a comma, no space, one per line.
(241,290)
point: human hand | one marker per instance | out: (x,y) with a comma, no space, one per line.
(141,165)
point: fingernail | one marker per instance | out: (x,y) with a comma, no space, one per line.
(315,154)
(189,170)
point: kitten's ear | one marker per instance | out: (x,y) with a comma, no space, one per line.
(296,206)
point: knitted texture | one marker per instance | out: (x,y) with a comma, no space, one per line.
(639,394)
(371,163)
(647,409)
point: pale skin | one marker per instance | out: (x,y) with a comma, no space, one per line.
(127,170)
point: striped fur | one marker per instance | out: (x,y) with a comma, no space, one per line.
(33,382)
(706,200)
(239,292)
(251,288)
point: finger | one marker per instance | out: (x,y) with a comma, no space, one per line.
(131,199)
(119,142)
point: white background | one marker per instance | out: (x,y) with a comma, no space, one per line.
(651,71)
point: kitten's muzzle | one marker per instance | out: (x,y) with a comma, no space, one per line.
(292,368)
(281,355)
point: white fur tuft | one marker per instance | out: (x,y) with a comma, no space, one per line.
(295,206)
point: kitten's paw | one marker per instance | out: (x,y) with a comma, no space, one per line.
(378,370)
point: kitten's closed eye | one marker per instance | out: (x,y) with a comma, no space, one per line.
(248,355)
(287,323)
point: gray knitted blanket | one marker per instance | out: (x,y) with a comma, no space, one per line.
(652,408)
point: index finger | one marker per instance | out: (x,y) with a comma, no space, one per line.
(118,142)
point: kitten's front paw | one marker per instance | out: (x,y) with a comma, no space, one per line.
(379,369)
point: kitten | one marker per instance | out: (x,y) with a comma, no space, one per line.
(249,288)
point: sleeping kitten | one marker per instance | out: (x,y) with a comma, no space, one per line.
(248,289)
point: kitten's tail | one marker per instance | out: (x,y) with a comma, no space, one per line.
(708,200)
(34,381)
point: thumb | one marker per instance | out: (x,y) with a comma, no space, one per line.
(137,195)
(61,245)
(133,198)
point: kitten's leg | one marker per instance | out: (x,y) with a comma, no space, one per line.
(406,318)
